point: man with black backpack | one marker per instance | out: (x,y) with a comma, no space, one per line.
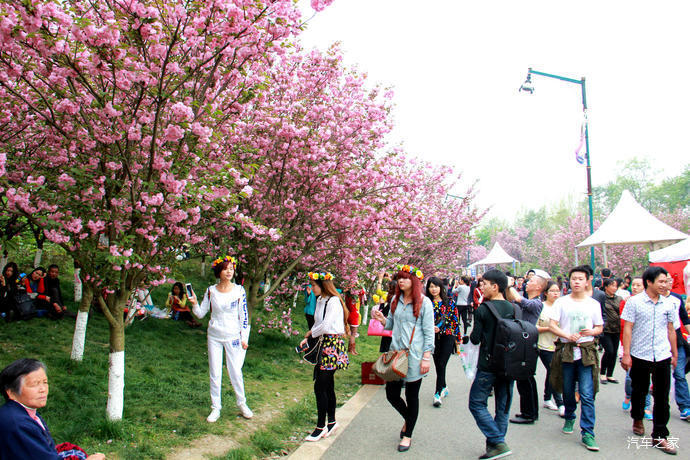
(531,309)
(495,368)
(576,319)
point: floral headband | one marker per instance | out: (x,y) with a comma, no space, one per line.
(320,276)
(223,259)
(413,270)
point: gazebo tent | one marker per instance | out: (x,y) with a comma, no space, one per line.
(496,256)
(674,259)
(630,223)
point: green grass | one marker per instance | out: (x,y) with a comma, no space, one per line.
(166,384)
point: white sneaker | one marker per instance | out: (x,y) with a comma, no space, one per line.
(246,411)
(213,416)
(561,411)
(550,405)
(437,400)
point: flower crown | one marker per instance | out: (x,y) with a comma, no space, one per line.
(413,270)
(320,276)
(223,259)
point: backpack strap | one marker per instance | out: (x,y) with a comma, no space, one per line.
(208,295)
(492,309)
(518,311)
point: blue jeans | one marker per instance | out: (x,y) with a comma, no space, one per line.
(682,393)
(628,391)
(494,428)
(573,372)
(546,356)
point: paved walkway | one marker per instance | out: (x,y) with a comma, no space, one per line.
(450,431)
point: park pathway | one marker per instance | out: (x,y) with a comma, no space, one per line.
(450,431)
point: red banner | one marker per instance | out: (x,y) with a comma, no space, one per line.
(675,269)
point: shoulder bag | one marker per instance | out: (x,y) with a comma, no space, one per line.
(392,366)
(313,353)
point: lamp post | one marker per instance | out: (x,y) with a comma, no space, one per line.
(527,87)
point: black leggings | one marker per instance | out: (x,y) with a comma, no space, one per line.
(609,340)
(466,315)
(409,410)
(442,351)
(324,390)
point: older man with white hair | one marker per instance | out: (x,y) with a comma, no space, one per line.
(531,308)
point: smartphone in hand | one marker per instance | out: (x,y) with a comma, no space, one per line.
(190,291)
(301,348)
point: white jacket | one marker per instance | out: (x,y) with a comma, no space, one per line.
(229,317)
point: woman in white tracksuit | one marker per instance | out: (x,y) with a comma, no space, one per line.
(228,330)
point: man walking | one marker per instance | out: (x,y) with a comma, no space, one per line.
(649,348)
(576,319)
(483,333)
(531,309)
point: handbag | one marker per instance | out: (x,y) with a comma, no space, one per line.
(24,305)
(376,329)
(392,366)
(313,353)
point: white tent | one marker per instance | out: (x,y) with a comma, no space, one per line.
(630,223)
(674,253)
(497,255)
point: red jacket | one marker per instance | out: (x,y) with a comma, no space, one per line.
(41,288)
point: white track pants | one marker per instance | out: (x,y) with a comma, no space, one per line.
(234,359)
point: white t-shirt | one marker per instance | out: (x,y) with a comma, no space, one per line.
(575,315)
(623,294)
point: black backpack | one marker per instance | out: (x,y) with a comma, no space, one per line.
(514,353)
(24,305)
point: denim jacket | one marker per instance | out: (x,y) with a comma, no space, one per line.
(402,323)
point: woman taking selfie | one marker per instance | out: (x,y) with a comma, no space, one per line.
(330,324)
(411,318)
(228,330)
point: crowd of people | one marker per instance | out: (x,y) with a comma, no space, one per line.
(636,320)
(25,296)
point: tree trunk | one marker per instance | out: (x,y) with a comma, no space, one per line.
(78,287)
(37,257)
(116,385)
(3,261)
(203,266)
(116,371)
(252,289)
(80,327)
(114,311)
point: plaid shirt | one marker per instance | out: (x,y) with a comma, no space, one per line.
(650,326)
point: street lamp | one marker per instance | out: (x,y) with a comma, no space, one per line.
(529,88)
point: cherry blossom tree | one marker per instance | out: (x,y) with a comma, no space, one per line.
(323,192)
(477,253)
(554,249)
(309,141)
(115,117)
